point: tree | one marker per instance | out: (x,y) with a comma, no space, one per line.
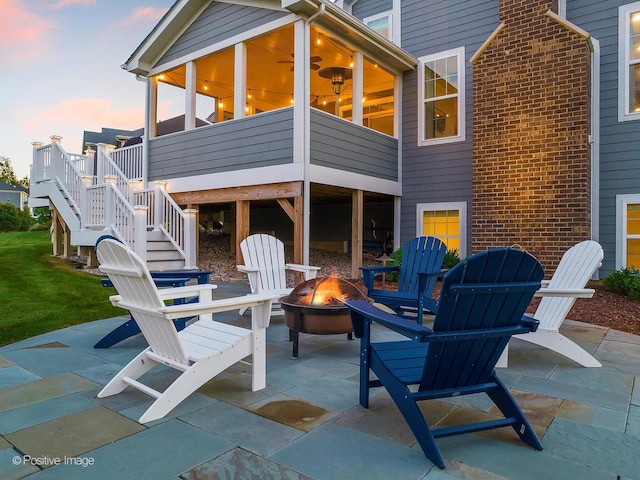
(6,172)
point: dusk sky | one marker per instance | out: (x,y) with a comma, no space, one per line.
(60,70)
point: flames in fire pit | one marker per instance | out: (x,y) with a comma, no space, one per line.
(316,306)
(324,292)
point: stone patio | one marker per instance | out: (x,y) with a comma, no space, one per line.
(307,423)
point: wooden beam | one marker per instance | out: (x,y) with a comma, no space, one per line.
(357,214)
(288,208)
(242,227)
(223,195)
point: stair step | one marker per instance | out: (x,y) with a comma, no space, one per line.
(155,266)
(155,255)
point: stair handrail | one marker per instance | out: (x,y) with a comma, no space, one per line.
(129,160)
(107,167)
(178,225)
(119,213)
(66,173)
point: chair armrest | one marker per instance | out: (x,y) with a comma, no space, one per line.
(245,269)
(222,305)
(368,274)
(309,271)
(387,268)
(560,292)
(252,275)
(187,291)
(362,310)
(201,275)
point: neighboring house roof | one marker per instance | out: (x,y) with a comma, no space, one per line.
(110,136)
(7,187)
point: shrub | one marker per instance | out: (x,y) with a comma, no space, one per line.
(43,216)
(396,259)
(624,281)
(451,259)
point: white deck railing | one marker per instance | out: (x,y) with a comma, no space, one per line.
(113,198)
(128,160)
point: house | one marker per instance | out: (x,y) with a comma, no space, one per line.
(485,123)
(17,195)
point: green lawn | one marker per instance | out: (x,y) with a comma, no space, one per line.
(40,293)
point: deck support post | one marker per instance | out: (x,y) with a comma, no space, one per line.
(357,214)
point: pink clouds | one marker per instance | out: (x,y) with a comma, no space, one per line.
(144,14)
(72,3)
(72,117)
(23,35)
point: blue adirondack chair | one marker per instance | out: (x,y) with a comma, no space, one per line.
(421,264)
(481,306)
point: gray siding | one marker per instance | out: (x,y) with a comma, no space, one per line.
(341,145)
(368,8)
(439,173)
(219,21)
(619,141)
(258,141)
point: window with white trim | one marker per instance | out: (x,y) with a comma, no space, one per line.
(441,97)
(628,231)
(381,23)
(446,221)
(629,62)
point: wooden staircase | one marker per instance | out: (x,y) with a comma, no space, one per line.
(88,206)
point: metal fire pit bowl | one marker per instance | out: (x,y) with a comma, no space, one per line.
(316,307)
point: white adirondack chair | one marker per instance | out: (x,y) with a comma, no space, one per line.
(265,267)
(201,351)
(575,269)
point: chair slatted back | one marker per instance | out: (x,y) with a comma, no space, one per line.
(420,254)
(131,278)
(266,253)
(577,266)
(487,292)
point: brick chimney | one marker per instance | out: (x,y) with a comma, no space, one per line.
(532,119)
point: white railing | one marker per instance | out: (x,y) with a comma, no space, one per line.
(41,168)
(147,198)
(129,161)
(66,174)
(108,168)
(177,224)
(120,215)
(113,199)
(170,218)
(93,212)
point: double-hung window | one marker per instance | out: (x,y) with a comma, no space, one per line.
(381,23)
(628,231)
(629,62)
(446,221)
(441,98)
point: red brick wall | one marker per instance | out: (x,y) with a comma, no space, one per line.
(531,154)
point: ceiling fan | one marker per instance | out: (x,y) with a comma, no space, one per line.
(314,59)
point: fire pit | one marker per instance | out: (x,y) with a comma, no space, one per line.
(316,306)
